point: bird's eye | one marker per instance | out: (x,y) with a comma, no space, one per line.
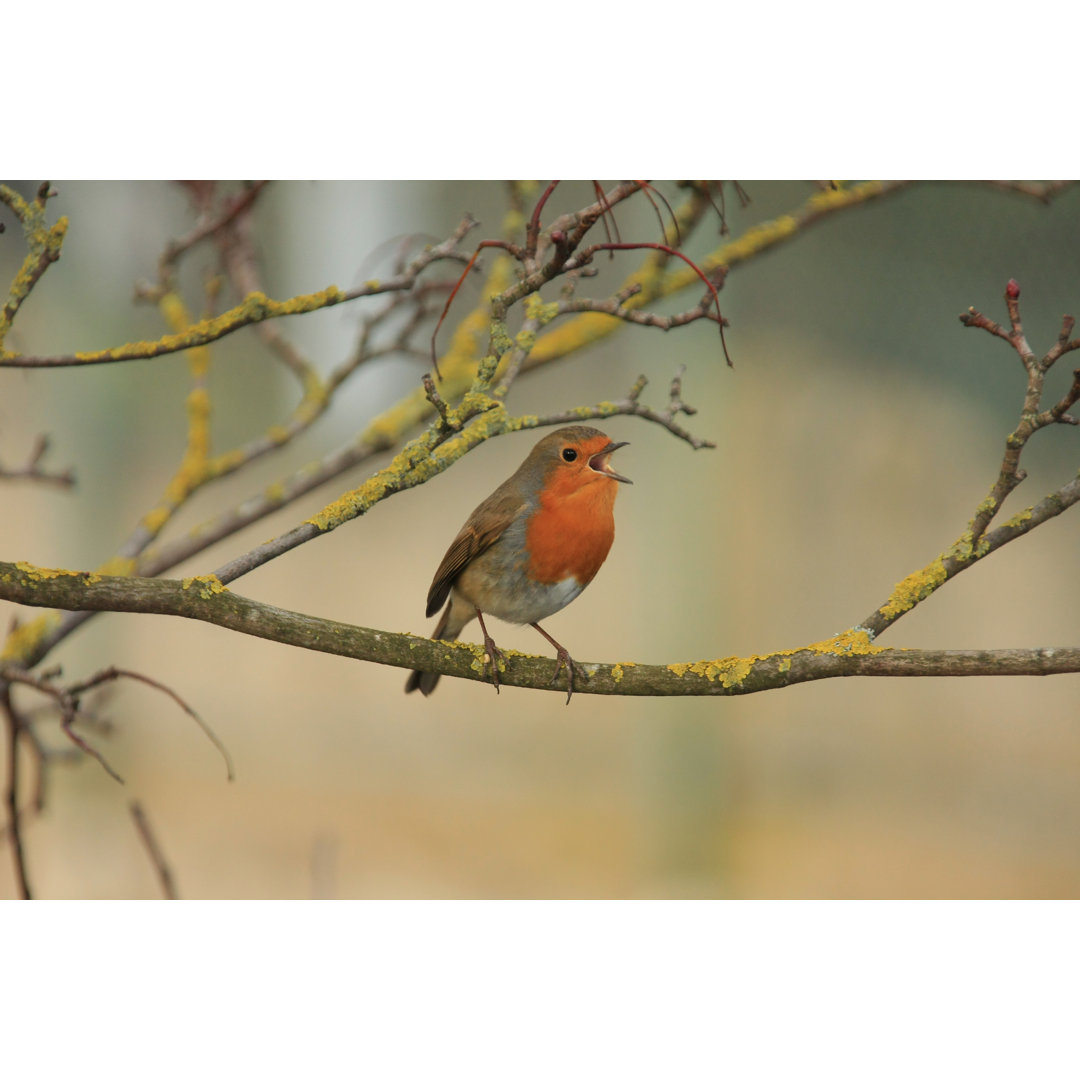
(569,454)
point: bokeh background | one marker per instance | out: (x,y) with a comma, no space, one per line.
(859,428)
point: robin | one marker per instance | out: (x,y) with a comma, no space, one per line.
(530,547)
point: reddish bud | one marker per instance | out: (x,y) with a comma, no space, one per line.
(558,237)
(1012,290)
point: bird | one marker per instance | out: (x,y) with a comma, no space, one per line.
(530,547)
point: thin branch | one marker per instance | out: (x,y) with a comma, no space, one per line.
(110,673)
(234,207)
(153,849)
(440,406)
(502,244)
(66,699)
(254,309)
(66,704)
(1044,191)
(12,728)
(648,190)
(32,470)
(586,329)
(532,233)
(615,307)
(1031,420)
(631,406)
(975,542)
(43,248)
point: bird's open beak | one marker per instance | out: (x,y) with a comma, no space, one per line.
(601,462)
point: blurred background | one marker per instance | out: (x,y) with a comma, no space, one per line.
(858,430)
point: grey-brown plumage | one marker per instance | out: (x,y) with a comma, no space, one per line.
(529,548)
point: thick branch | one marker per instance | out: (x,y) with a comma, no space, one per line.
(205,599)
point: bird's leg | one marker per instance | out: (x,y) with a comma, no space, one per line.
(564,658)
(493,651)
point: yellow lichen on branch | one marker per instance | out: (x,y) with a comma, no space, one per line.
(255,308)
(729,670)
(44,573)
(853,642)
(192,471)
(589,327)
(206,586)
(920,584)
(43,248)
(914,588)
(458,366)
(23,638)
(733,671)
(414,465)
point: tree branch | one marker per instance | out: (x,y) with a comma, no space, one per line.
(12,730)
(254,309)
(33,470)
(153,849)
(205,599)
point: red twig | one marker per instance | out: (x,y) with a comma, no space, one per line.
(532,233)
(605,212)
(506,246)
(646,187)
(668,250)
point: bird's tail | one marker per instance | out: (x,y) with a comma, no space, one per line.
(426,681)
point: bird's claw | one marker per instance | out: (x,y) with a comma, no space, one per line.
(564,659)
(494,655)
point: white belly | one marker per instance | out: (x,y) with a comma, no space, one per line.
(528,603)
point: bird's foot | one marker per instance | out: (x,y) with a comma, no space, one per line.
(564,658)
(494,654)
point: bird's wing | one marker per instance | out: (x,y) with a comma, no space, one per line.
(485,525)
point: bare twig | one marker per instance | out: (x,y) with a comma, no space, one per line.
(615,307)
(67,705)
(110,673)
(234,207)
(975,542)
(32,470)
(12,729)
(67,698)
(1044,191)
(439,405)
(631,406)
(503,244)
(1032,419)
(255,309)
(532,233)
(586,254)
(153,849)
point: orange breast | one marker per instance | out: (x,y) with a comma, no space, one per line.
(572,530)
